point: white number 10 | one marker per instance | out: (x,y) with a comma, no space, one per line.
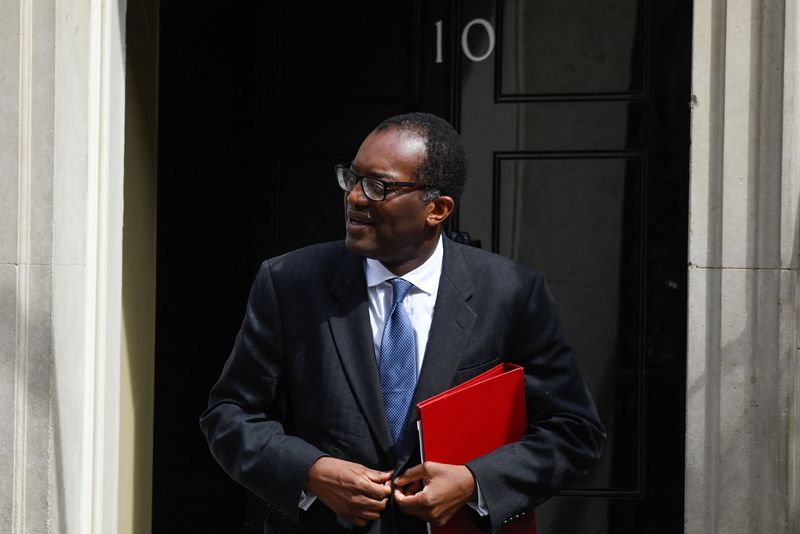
(465,40)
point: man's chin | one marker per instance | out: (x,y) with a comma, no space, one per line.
(359,246)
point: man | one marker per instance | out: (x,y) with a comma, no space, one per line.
(314,410)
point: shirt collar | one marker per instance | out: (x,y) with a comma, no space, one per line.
(425,277)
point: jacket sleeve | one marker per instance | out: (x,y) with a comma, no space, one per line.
(564,435)
(243,420)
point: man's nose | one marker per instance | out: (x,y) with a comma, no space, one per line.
(356,195)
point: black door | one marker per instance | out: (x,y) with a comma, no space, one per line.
(576,125)
(575,116)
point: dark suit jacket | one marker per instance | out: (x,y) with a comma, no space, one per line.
(302,382)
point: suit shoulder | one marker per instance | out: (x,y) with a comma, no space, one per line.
(310,261)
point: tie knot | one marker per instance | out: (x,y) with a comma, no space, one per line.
(400,289)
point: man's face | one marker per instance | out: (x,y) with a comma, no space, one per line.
(394,231)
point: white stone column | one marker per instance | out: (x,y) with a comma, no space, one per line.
(741,440)
(61,110)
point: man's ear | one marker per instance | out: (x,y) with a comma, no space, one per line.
(439,209)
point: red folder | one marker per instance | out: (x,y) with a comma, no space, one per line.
(470,420)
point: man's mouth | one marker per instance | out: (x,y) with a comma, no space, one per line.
(355,218)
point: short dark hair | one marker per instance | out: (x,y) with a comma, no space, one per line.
(445,165)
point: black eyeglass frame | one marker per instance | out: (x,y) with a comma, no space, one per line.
(385,186)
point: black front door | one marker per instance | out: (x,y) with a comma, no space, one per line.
(576,125)
(575,116)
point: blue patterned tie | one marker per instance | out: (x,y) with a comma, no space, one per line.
(398,360)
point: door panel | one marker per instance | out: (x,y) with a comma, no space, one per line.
(551,49)
(575,217)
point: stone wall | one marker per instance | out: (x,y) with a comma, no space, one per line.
(61,109)
(743,253)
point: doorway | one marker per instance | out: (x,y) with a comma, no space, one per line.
(576,121)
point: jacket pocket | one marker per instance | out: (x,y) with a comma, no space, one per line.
(465,373)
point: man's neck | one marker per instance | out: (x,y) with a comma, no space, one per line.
(389,270)
(408,265)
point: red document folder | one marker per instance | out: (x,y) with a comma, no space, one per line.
(470,420)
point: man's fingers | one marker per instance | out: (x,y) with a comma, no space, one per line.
(370,509)
(410,489)
(401,498)
(378,476)
(447,488)
(418,472)
(410,501)
(425,507)
(364,509)
(415,504)
(376,485)
(374,491)
(367,503)
(354,492)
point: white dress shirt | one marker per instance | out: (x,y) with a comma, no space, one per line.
(419,301)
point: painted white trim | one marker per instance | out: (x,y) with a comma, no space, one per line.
(104,263)
(89,480)
(19,505)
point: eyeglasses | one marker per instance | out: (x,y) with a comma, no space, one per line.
(373,188)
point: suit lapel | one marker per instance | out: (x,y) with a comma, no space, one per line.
(451,327)
(352,335)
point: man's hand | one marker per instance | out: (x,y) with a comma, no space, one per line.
(446,489)
(354,492)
